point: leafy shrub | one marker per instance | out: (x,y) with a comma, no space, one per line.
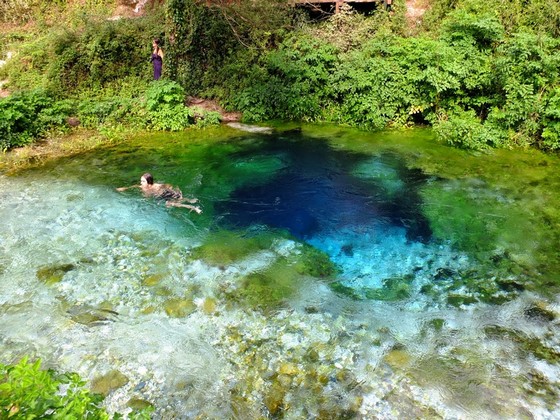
(551,132)
(170,118)
(465,130)
(25,116)
(165,104)
(482,30)
(164,92)
(291,82)
(27,391)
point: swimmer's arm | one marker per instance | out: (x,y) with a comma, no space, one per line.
(127,188)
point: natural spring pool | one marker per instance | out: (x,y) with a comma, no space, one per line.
(333,274)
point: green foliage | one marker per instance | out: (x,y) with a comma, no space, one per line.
(475,72)
(482,30)
(551,132)
(465,130)
(170,118)
(291,83)
(27,115)
(27,391)
(164,101)
(164,92)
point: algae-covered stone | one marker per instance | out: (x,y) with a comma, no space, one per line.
(268,289)
(533,345)
(397,358)
(152,279)
(209,305)
(274,399)
(287,368)
(394,288)
(315,262)
(437,324)
(111,381)
(458,300)
(91,316)
(139,404)
(51,274)
(225,247)
(179,308)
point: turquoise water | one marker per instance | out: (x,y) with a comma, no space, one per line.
(332,273)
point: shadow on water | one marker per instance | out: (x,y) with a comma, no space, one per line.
(320,190)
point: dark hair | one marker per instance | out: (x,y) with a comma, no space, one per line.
(149,178)
(156,40)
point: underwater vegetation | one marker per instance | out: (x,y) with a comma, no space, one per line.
(424,286)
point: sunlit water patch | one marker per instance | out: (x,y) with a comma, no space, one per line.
(324,279)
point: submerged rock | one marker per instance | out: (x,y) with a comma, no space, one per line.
(51,274)
(179,308)
(91,316)
(250,128)
(111,381)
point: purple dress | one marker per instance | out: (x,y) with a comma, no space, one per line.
(157,63)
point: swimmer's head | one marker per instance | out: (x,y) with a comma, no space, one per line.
(147,178)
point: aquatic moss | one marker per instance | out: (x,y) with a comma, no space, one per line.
(394,288)
(111,381)
(51,274)
(315,262)
(541,387)
(526,343)
(474,220)
(268,289)
(179,308)
(226,247)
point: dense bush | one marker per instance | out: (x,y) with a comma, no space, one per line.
(474,70)
(27,391)
(27,115)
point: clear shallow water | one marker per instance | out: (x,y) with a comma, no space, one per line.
(229,314)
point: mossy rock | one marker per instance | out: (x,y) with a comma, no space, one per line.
(397,358)
(51,274)
(226,247)
(394,289)
(459,300)
(526,343)
(179,308)
(541,387)
(91,316)
(139,404)
(111,381)
(268,289)
(209,305)
(539,312)
(437,324)
(315,263)
(152,279)
(274,399)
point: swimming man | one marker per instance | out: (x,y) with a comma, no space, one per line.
(173,196)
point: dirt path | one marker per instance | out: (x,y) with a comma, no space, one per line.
(415,10)
(211,105)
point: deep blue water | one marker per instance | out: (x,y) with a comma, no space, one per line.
(316,192)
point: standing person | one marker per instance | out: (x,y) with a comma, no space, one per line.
(157,59)
(389,5)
